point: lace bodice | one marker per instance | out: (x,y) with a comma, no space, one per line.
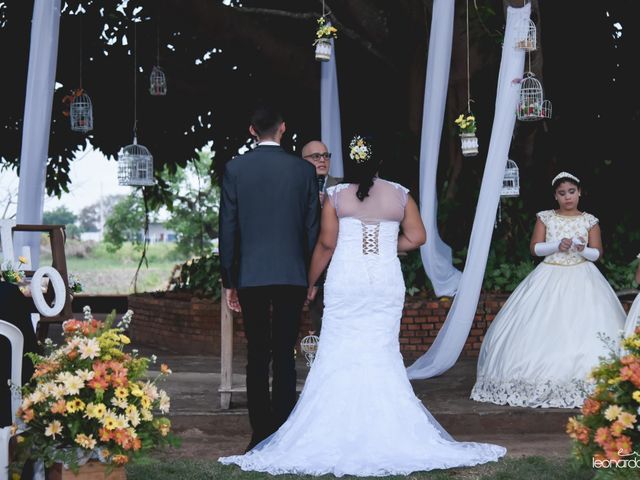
(561,226)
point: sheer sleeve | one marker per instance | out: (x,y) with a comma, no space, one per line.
(592,221)
(386,201)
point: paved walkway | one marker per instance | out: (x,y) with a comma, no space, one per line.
(208,431)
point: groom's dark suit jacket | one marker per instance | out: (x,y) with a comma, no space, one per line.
(269,219)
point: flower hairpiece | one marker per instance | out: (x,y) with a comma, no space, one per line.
(565,175)
(359,149)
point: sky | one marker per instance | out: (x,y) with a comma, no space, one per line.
(92,175)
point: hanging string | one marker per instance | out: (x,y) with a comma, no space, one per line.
(158,43)
(468,77)
(323,9)
(80,53)
(135,79)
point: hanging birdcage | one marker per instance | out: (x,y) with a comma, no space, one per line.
(469,144)
(135,166)
(530,105)
(323,49)
(309,346)
(81,113)
(511,180)
(546,109)
(526,37)
(157,82)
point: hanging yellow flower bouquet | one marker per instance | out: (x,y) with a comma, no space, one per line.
(606,435)
(90,400)
(325,31)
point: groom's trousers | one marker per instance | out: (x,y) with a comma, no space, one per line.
(271,317)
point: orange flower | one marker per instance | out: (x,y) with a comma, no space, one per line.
(590,407)
(105,435)
(624,444)
(73,354)
(137,444)
(120,459)
(602,436)
(164,369)
(121,437)
(617,428)
(59,407)
(28,415)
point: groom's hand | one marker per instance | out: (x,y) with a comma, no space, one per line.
(311,294)
(232,299)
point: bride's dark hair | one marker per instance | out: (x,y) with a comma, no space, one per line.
(362,173)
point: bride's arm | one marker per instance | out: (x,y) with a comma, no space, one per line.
(326,242)
(413,233)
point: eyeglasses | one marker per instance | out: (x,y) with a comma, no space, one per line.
(317,156)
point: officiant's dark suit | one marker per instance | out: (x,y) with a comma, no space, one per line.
(269,220)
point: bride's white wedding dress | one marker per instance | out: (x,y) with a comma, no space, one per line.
(357,414)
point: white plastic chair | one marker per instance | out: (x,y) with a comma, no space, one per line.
(17,345)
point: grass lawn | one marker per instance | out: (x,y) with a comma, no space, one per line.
(529,468)
(106,273)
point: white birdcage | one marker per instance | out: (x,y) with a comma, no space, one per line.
(135,166)
(157,82)
(309,346)
(511,180)
(323,49)
(469,144)
(546,109)
(531,103)
(81,113)
(526,37)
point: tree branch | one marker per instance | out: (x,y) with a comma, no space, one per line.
(334,20)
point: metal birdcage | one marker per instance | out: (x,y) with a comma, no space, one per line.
(526,36)
(157,82)
(511,180)
(530,105)
(324,50)
(81,113)
(309,346)
(546,109)
(135,166)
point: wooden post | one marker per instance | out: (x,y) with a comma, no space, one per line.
(226,352)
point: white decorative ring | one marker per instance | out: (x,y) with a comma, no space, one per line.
(58,288)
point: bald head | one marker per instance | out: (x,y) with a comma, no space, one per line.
(315,152)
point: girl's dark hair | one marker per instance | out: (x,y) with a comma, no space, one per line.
(565,179)
(363,173)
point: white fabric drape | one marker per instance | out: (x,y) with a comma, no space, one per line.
(451,339)
(330,114)
(436,255)
(43,55)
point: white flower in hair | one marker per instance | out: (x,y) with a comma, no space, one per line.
(359,150)
(565,175)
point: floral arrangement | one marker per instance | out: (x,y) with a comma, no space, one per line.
(359,149)
(13,275)
(466,123)
(75,286)
(67,100)
(325,31)
(90,400)
(608,428)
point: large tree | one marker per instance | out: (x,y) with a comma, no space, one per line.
(220,56)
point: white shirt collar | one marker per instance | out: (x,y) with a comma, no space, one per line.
(269,142)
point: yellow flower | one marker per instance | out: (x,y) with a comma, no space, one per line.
(612,413)
(122,392)
(124,339)
(471,118)
(22,259)
(145,402)
(627,419)
(75,405)
(136,391)
(460,118)
(85,441)
(636,396)
(147,416)
(110,421)
(463,125)
(54,428)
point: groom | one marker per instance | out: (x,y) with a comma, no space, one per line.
(269,217)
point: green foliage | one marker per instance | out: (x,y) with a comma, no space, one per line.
(200,276)
(194,203)
(125,223)
(621,276)
(63,216)
(415,277)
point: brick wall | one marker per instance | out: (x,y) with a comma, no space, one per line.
(188,325)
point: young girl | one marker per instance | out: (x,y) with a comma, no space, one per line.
(633,319)
(546,339)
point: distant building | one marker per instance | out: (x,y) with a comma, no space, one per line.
(158,233)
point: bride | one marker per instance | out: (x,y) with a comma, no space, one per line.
(357,414)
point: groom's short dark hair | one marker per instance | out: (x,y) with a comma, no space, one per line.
(266,120)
